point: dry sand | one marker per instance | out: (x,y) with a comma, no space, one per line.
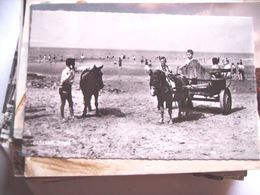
(128,128)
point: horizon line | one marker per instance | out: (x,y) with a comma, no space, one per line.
(184,51)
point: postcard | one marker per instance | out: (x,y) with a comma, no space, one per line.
(117,82)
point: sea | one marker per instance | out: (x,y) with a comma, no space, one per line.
(134,57)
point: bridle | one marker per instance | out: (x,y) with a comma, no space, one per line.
(159,83)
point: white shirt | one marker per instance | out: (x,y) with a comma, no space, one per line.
(241,67)
(187,62)
(227,66)
(165,68)
(67,75)
(215,66)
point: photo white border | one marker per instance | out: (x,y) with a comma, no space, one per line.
(59,167)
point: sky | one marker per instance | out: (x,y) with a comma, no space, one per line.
(203,9)
(137,31)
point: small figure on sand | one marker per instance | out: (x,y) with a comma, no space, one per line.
(82,58)
(241,70)
(120,62)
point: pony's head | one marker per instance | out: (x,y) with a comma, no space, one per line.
(157,82)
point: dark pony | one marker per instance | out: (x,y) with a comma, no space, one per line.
(91,83)
(181,94)
(160,87)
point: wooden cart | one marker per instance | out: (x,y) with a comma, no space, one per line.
(215,89)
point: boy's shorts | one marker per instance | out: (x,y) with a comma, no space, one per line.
(65,94)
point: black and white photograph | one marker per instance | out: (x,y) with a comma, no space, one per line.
(110,83)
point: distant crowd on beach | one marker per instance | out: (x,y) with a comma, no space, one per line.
(51,58)
(236,66)
(237,69)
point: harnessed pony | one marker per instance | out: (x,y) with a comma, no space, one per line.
(165,93)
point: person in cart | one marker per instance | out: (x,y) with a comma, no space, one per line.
(192,69)
(164,67)
(167,70)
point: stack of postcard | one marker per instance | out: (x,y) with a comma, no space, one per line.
(112,89)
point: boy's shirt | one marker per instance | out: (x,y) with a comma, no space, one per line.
(165,68)
(188,61)
(67,76)
(241,67)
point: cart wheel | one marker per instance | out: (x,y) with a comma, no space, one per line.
(225,101)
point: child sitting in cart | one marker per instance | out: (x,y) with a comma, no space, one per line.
(192,69)
(227,67)
(215,73)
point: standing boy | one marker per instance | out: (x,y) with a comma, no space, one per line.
(67,79)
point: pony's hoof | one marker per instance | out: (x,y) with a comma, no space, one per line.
(170,122)
(72,117)
(98,114)
(83,116)
(161,121)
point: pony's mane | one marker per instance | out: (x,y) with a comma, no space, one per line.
(85,69)
(159,75)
